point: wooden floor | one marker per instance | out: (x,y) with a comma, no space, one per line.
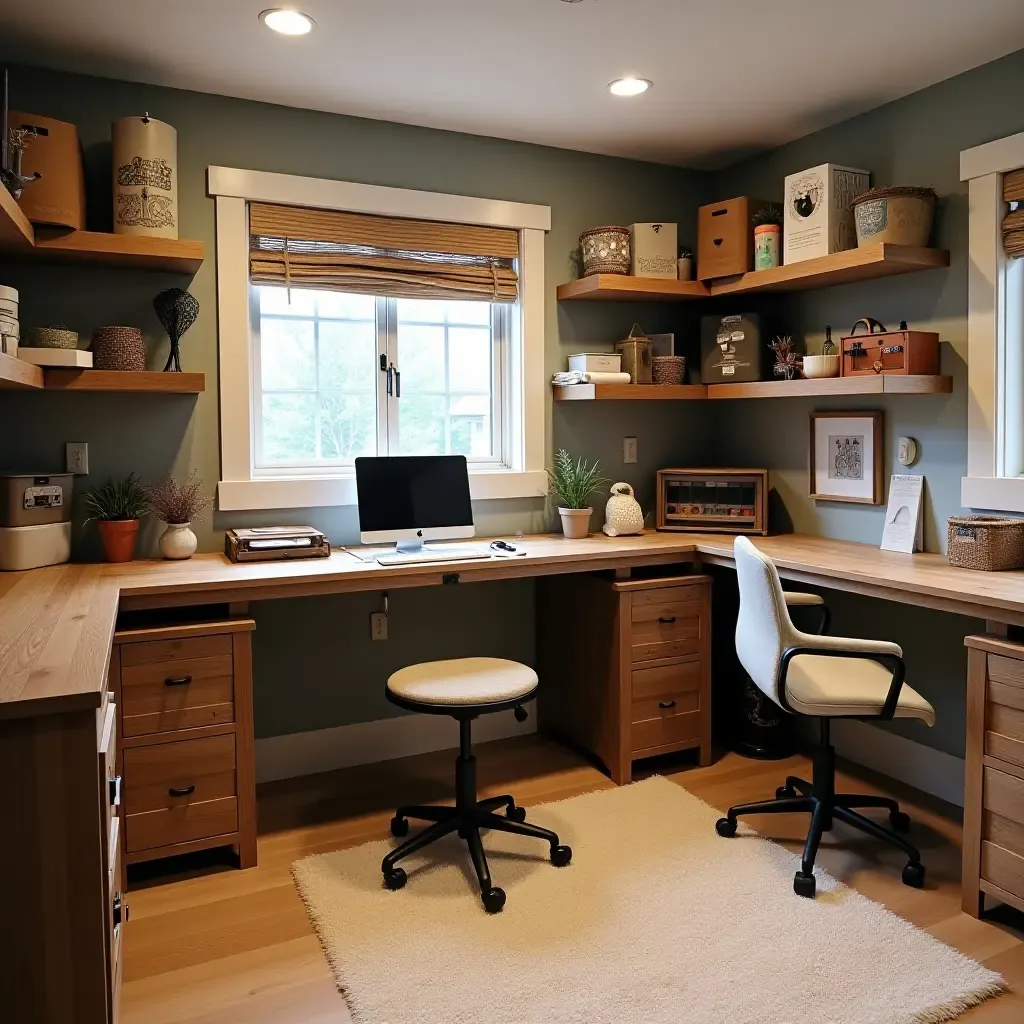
(220,946)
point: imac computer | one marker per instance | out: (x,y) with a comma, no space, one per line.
(412,499)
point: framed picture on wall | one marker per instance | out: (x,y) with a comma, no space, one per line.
(846,456)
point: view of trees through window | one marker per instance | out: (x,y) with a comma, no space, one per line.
(322,393)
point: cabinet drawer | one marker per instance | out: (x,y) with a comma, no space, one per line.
(166,696)
(676,678)
(179,791)
(682,730)
(158,652)
(668,630)
(1004,710)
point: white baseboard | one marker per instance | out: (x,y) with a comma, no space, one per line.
(888,753)
(306,753)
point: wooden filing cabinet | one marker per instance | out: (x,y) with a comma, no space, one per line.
(188,767)
(625,666)
(993,844)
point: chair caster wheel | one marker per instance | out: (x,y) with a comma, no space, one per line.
(785,792)
(561,855)
(399,827)
(804,885)
(494,900)
(900,821)
(913,875)
(395,878)
(726,827)
(516,814)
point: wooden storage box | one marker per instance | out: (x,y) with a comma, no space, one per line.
(626,666)
(889,352)
(58,196)
(725,237)
(713,500)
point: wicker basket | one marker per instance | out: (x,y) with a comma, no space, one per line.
(991,543)
(605,251)
(668,369)
(49,337)
(118,348)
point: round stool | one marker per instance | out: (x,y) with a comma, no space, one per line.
(465,688)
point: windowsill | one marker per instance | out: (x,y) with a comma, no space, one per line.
(993,494)
(324,491)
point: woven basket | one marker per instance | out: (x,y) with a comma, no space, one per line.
(991,543)
(49,337)
(118,348)
(605,251)
(668,369)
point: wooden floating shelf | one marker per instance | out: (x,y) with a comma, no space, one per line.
(151,381)
(20,240)
(873,385)
(862,264)
(16,374)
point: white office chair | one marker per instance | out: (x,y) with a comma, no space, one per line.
(826,677)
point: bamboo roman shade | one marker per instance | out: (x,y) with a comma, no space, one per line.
(355,252)
(1013,222)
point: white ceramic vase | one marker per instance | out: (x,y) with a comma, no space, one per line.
(575,522)
(178,541)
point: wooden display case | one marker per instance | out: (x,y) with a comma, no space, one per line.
(713,500)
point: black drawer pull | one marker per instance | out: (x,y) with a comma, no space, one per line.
(187,791)
(178,681)
(666,705)
(666,619)
(721,212)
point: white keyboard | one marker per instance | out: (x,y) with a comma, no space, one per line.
(446,554)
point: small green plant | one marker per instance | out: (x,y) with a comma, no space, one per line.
(116,500)
(685,252)
(767,215)
(572,483)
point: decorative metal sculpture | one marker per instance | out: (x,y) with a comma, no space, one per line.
(177,310)
(14,141)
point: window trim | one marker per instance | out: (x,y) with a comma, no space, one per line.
(240,488)
(985,486)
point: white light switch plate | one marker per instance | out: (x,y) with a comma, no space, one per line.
(76,457)
(379,625)
(629,449)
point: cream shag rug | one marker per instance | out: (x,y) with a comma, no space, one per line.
(657,920)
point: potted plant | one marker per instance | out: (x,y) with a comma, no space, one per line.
(116,508)
(767,238)
(685,263)
(178,505)
(572,484)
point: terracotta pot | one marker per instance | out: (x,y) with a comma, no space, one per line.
(118,536)
(575,522)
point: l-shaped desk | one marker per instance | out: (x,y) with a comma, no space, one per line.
(59,943)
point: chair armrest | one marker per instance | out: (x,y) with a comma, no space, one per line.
(892,661)
(798,599)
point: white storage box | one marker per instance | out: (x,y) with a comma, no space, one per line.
(75,357)
(29,547)
(596,362)
(818,219)
(655,250)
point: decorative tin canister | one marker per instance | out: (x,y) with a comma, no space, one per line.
(899,215)
(145,177)
(605,251)
(636,352)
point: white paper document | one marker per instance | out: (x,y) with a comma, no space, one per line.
(904,516)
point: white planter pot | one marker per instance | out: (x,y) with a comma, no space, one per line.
(178,541)
(575,522)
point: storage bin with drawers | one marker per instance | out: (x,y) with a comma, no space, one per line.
(186,721)
(624,666)
(993,845)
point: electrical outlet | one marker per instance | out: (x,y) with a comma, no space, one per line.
(379,625)
(76,457)
(629,449)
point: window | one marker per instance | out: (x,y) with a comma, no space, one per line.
(995,325)
(359,339)
(342,375)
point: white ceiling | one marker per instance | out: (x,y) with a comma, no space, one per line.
(730,76)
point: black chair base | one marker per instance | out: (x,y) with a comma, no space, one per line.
(824,804)
(467,818)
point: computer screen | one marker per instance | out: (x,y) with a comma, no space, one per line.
(412,497)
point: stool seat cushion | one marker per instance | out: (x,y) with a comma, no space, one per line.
(461,681)
(820,685)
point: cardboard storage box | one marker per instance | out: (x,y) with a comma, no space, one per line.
(733,349)
(655,250)
(725,237)
(595,362)
(818,215)
(58,196)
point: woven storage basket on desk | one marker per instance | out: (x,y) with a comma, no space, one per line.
(668,369)
(991,543)
(118,348)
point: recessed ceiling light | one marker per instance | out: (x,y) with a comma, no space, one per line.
(287,22)
(629,86)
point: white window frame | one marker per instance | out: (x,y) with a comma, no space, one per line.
(523,472)
(995,338)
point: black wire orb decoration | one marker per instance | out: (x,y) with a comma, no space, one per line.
(177,310)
